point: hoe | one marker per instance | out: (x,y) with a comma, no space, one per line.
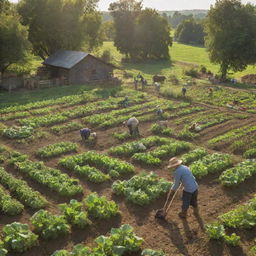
(161,213)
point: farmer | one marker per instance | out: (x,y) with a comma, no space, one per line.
(157,86)
(124,103)
(85,134)
(184,176)
(133,126)
(184,91)
(159,113)
(195,127)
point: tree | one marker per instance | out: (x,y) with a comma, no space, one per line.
(13,41)
(152,35)
(108,30)
(190,32)
(4,6)
(231,35)
(177,18)
(124,13)
(61,24)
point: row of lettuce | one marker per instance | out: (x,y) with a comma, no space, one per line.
(241,218)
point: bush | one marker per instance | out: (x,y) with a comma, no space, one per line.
(174,80)
(203,69)
(191,72)
(106,56)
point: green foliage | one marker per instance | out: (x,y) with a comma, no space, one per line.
(74,214)
(149,252)
(18,132)
(215,230)
(65,128)
(100,207)
(190,31)
(142,189)
(232,240)
(242,217)
(160,130)
(193,156)
(52,178)
(49,226)
(191,72)
(50,22)
(15,45)
(57,149)
(250,153)
(146,158)
(122,136)
(8,205)
(211,164)
(18,237)
(231,44)
(113,166)
(239,173)
(21,189)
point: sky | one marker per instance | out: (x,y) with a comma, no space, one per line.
(169,5)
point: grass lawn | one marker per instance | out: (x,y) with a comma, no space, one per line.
(179,53)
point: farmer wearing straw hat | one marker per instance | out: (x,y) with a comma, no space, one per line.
(182,175)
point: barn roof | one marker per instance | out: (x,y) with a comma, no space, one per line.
(65,59)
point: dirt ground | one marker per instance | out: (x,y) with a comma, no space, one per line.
(174,236)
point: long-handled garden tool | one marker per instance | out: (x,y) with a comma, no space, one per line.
(161,213)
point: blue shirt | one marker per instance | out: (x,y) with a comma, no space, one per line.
(183,175)
(85,132)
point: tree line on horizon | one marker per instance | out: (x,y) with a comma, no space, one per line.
(42,27)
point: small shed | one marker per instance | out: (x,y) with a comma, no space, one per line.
(77,67)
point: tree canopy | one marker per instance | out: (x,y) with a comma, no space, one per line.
(61,24)
(190,32)
(231,35)
(13,41)
(140,34)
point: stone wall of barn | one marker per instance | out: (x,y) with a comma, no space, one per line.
(89,69)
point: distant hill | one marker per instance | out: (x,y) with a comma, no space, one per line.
(197,13)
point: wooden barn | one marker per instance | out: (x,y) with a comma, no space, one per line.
(77,67)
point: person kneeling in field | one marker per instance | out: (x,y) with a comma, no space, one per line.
(184,176)
(133,126)
(86,133)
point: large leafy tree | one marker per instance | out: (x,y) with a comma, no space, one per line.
(190,32)
(13,41)
(152,35)
(61,24)
(124,13)
(231,35)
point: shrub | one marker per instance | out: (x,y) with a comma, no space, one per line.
(191,72)
(203,69)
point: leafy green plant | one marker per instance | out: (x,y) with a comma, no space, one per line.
(21,189)
(149,252)
(122,136)
(18,237)
(146,158)
(100,207)
(215,230)
(57,149)
(193,156)
(232,240)
(142,189)
(18,132)
(239,173)
(250,153)
(74,214)
(160,130)
(49,226)
(61,129)
(52,178)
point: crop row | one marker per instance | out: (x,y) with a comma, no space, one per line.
(52,178)
(211,164)
(142,189)
(24,193)
(239,173)
(85,164)
(153,158)
(56,149)
(243,216)
(65,128)
(232,134)
(130,148)
(18,132)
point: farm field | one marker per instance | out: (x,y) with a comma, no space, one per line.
(70,193)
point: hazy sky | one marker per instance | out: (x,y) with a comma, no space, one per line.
(169,4)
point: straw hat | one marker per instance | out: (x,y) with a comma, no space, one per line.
(174,162)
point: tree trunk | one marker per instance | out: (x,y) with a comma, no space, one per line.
(224,71)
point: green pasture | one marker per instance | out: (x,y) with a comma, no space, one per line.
(182,57)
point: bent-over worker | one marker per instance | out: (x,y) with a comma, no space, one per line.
(184,91)
(195,127)
(133,126)
(183,175)
(85,133)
